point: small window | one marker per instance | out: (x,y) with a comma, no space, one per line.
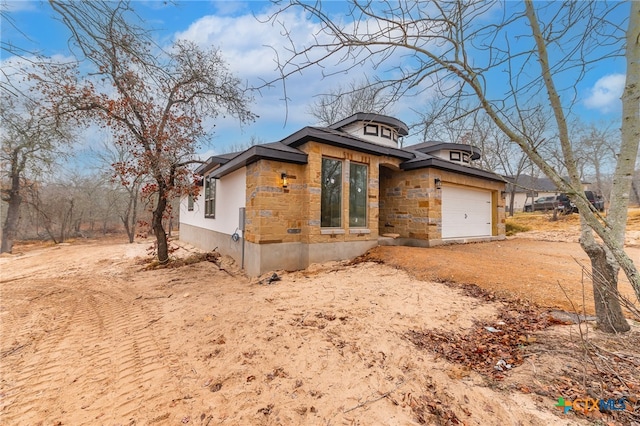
(454,156)
(358,195)
(385,132)
(190,203)
(210,197)
(371,129)
(331,194)
(465,157)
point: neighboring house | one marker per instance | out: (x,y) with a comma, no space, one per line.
(529,188)
(334,192)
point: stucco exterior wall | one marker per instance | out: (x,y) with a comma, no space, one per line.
(210,233)
(207,239)
(230,196)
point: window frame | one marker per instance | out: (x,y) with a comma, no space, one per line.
(210,197)
(329,204)
(353,203)
(371,129)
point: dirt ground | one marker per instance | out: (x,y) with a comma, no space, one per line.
(89,336)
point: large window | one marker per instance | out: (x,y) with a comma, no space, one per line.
(358,195)
(331,196)
(210,197)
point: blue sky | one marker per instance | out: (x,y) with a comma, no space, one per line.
(245,43)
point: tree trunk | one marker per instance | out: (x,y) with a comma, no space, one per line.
(10,227)
(158,229)
(512,201)
(134,214)
(130,217)
(610,318)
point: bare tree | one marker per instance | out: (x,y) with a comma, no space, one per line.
(450,44)
(56,207)
(158,101)
(30,141)
(344,101)
(115,160)
(598,146)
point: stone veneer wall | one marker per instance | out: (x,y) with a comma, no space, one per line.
(411,206)
(283,224)
(278,217)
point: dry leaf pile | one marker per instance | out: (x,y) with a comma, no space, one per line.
(490,348)
(605,366)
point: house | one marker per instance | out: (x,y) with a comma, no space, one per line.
(525,189)
(331,193)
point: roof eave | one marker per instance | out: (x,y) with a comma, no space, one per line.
(257,153)
(211,163)
(448,166)
(310,134)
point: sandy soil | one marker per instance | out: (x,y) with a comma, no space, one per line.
(90,337)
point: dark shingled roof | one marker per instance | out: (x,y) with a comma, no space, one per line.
(286,150)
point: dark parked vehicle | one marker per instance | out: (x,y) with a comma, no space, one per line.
(545,203)
(595,199)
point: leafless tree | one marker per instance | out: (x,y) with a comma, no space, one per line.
(344,101)
(114,160)
(598,147)
(158,101)
(540,51)
(30,142)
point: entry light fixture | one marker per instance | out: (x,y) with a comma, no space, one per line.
(438,183)
(285,180)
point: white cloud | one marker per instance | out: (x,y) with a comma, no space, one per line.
(17,6)
(252,45)
(247,43)
(606,92)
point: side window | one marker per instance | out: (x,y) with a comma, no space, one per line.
(357,195)
(190,203)
(331,194)
(210,197)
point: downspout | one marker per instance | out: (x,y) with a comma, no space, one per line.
(242,263)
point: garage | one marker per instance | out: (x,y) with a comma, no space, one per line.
(466,212)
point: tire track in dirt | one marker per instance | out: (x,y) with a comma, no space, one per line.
(102,351)
(24,383)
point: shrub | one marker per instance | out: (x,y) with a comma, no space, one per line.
(512,228)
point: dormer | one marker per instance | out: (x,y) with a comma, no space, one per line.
(453,152)
(376,128)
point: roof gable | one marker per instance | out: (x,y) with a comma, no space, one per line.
(286,150)
(398,125)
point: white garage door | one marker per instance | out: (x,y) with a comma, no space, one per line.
(466,212)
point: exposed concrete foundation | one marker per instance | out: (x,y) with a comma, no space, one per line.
(207,239)
(414,242)
(261,258)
